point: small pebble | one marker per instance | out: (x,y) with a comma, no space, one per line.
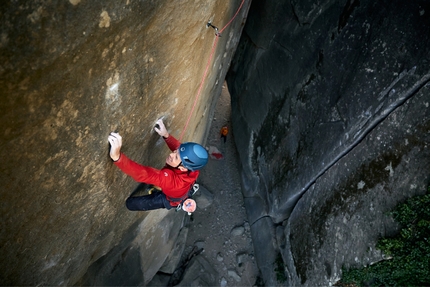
(223,282)
(234,275)
(239,230)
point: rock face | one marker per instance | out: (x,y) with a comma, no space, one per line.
(71,72)
(330,111)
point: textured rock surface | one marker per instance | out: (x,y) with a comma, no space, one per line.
(341,216)
(330,111)
(330,115)
(71,72)
(212,229)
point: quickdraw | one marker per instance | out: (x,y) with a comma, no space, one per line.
(218,35)
(209,24)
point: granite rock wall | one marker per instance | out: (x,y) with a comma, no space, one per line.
(330,111)
(71,72)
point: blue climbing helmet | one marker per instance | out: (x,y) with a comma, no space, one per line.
(193,156)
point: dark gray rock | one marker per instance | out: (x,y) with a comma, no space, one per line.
(223,282)
(203,197)
(237,231)
(159,279)
(241,258)
(175,255)
(256,207)
(343,214)
(233,274)
(200,244)
(219,257)
(199,273)
(121,266)
(264,241)
(330,111)
(129,263)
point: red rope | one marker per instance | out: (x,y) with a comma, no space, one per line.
(217,35)
(200,88)
(237,12)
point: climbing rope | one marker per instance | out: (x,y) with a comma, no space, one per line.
(217,36)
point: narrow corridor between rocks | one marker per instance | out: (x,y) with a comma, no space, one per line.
(222,229)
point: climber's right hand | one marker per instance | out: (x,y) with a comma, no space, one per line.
(161,129)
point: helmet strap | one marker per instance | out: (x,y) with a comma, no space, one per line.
(179,165)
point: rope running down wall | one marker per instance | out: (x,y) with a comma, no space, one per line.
(217,36)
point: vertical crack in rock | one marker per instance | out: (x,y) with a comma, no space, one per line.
(320,60)
(296,17)
(346,13)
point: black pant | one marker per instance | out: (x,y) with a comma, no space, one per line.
(152,201)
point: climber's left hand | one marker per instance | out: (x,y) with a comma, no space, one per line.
(115,141)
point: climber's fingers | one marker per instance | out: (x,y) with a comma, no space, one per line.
(161,129)
(115,141)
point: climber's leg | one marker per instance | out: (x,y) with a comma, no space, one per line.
(148,202)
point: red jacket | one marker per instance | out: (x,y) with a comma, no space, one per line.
(173,182)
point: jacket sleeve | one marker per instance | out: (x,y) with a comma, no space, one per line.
(138,172)
(172,143)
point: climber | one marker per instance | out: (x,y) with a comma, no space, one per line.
(175,179)
(224,133)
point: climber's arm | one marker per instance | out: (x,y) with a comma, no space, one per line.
(171,142)
(138,172)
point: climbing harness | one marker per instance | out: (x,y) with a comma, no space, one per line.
(218,35)
(189,205)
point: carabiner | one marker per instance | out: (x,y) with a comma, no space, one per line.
(209,24)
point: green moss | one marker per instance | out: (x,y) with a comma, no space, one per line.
(408,251)
(280,269)
(335,203)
